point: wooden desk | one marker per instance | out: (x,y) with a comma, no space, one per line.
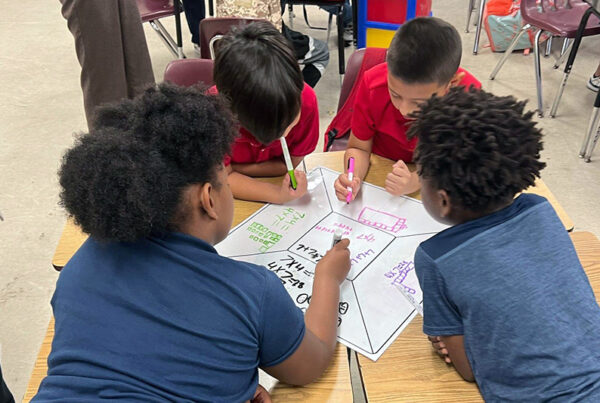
(335,384)
(411,371)
(72,238)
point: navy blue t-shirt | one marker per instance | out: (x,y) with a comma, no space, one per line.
(512,284)
(165,319)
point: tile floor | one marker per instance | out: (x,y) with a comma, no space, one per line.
(41,108)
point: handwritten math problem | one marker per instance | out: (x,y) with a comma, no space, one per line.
(384,232)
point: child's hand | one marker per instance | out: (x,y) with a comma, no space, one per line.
(440,348)
(286,193)
(336,262)
(341,186)
(401,181)
(261,395)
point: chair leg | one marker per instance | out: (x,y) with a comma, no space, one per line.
(588,154)
(469,13)
(306,19)
(538,72)
(329,27)
(571,59)
(548,47)
(478,29)
(564,52)
(340,30)
(291,15)
(177,8)
(586,150)
(509,50)
(164,35)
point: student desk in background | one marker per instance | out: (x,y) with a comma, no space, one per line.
(334,385)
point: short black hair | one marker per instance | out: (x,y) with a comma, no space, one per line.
(480,148)
(425,50)
(255,68)
(125,179)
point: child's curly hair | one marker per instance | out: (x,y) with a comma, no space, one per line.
(124,180)
(480,148)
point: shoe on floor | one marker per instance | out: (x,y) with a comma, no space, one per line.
(349,35)
(594,83)
(197,50)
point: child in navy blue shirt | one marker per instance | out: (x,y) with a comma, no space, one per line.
(147,310)
(504,295)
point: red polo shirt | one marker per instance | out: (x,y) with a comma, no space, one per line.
(376,117)
(302,139)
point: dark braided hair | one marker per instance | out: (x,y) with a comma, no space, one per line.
(124,180)
(480,148)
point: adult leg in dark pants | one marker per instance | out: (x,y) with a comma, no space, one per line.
(5,395)
(194,13)
(111,48)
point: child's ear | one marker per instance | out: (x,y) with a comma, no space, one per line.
(456,79)
(445,203)
(205,200)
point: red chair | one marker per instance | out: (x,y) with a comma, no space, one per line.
(213,29)
(561,19)
(153,10)
(190,72)
(338,132)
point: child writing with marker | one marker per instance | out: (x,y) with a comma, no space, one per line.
(423,60)
(147,310)
(505,298)
(256,70)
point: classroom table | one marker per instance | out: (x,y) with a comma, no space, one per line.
(410,370)
(334,385)
(72,237)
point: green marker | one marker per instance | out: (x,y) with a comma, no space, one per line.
(288,162)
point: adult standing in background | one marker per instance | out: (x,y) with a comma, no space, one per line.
(111,48)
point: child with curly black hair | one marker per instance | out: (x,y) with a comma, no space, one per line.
(504,295)
(147,310)
(256,70)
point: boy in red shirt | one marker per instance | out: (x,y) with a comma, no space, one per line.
(257,72)
(422,60)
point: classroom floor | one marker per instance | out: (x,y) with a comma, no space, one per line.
(41,108)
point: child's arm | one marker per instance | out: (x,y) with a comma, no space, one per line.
(247,188)
(360,150)
(314,354)
(274,167)
(452,350)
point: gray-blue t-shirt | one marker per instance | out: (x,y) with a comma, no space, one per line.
(165,319)
(512,284)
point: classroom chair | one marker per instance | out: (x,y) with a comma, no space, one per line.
(586,25)
(359,62)
(338,20)
(592,130)
(189,72)
(152,11)
(213,29)
(560,19)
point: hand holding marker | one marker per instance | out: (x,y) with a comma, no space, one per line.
(350,178)
(288,162)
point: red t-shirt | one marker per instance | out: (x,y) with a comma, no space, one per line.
(301,140)
(376,117)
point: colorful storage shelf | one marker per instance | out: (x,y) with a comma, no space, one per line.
(378,20)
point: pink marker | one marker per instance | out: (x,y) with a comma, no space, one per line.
(350,177)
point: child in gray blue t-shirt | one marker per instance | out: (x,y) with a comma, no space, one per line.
(506,300)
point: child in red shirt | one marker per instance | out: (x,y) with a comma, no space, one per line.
(257,72)
(422,60)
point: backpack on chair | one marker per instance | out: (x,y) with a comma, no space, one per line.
(359,62)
